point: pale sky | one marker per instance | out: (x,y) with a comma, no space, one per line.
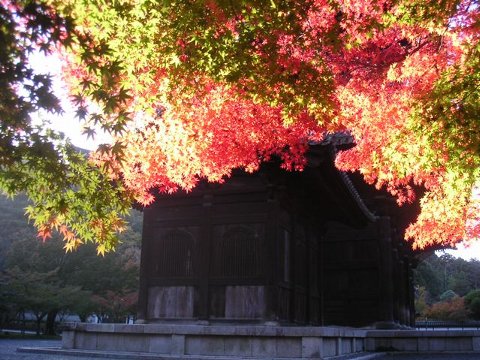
(473,251)
(67,123)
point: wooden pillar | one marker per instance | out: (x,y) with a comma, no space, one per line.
(313,271)
(396,285)
(411,294)
(385,273)
(203,258)
(147,238)
(271,254)
(321,280)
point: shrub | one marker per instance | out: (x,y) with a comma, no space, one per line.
(453,309)
(472,303)
(447,296)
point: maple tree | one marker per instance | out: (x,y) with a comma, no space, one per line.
(193,90)
(67,192)
(451,309)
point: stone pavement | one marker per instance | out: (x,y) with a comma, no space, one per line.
(8,351)
(438,356)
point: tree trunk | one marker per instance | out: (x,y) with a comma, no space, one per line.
(50,325)
(23,322)
(39,323)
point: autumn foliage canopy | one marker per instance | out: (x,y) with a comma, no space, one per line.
(194,89)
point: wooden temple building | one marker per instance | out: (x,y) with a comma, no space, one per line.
(316,247)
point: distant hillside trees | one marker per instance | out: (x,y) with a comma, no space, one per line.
(42,279)
(447,288)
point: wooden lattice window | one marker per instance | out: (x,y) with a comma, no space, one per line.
(173,256)
(236,252)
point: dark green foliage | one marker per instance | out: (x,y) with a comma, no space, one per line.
(438,274)
(40,277)
(426,275)
(39,293)
(13,224)
(472,302)
(444,280)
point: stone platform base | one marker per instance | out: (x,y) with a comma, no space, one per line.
(217,341)
(221,342)
(431,341)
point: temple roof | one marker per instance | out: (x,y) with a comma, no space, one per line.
(330,147)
